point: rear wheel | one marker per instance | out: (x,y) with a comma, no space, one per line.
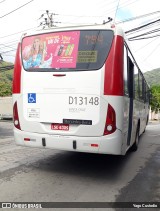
(146,125)
(135,145)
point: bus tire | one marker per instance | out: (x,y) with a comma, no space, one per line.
(135,145)
(146,125)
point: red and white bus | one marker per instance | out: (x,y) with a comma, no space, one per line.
(79,89)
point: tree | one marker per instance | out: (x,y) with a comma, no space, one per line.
(155,99)
(6,83)
(5,89)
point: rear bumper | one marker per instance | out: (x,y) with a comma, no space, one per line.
(110,144)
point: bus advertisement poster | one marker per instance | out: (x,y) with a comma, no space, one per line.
(53,50)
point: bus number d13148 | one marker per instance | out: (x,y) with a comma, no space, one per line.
(83,100)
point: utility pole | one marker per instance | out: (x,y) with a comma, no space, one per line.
(48,20)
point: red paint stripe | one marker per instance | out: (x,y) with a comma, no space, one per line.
(113,78)
(59,75)
(16,89)
(94,145)
(26,139)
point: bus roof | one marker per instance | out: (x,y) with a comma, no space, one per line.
(110,26)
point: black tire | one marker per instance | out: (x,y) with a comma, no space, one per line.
(135,145)
(146,125)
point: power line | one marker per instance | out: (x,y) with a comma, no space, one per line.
(150,26)
(2,1)
(152,52)
(124,4)
(146,33)
(146,44)
(121,5)
(147,28)
(8,51)
(143,26)
(144,38)
(9,55)
(16,9)
(17,32)
(137,17)
(88,16)
(6,46)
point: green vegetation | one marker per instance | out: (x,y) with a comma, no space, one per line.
(5,80)
(153,77)
(155,100)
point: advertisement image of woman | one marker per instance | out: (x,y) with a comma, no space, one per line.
(34,55)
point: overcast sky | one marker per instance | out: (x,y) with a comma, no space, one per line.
(19,15)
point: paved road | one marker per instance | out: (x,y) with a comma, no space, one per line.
(31,174)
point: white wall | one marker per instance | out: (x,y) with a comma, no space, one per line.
(6,110)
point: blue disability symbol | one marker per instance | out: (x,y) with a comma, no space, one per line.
(31,97)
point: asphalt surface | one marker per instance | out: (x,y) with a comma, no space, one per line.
(41,175)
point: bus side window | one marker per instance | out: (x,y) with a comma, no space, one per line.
(130,77)
(140,86)
(147,94)
(126,89)
(144,91)
(136,83)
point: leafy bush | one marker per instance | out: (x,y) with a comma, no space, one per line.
(5,80)
(155,100)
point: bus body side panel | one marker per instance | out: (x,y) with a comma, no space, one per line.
(143,117)
(140,116)
(135,119)
(125,123)
(117,102)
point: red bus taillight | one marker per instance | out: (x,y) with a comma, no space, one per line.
(110,125)
(16,117)
(16,89)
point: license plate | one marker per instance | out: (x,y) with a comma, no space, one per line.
(56,126)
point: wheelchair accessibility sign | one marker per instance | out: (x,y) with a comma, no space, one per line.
(31,97)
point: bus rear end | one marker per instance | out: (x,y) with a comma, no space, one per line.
(59,98)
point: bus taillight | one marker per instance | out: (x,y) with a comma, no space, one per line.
(110,125)
(16,117)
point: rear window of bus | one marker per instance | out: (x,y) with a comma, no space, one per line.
(66,51)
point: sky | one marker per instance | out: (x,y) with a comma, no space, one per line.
(20,16)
